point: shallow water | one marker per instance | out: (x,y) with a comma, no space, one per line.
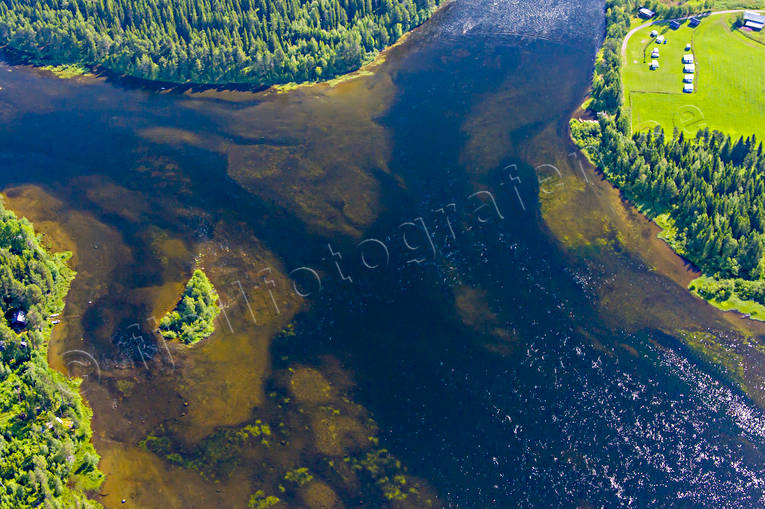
(411,260)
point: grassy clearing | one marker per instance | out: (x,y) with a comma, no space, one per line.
(67,71)
(669,233)
(730,71)
(754,309)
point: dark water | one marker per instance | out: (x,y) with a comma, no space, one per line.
(515,347)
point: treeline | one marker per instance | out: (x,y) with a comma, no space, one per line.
(46,457)
(210,41)
(712,187)
(606,90)
(683,8)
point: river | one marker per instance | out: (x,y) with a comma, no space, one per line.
(430,297)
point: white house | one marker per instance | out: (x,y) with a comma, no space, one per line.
(689,68)
(654,33)
(655,53)
(688,78)
(646,13)
(661,40)
(654,64)
(688,47)
(754,21)
(688,58)
(688,88)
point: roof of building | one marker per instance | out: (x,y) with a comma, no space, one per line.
(19,316)
(688,59)
(689,68)
(688,78)
(660,39)
(688,87)
(754,25)
(646,12)
(694,21)
(753,16)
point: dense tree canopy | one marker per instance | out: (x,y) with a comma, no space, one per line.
(210,41)
(46,457)
(710,188)
(193,319)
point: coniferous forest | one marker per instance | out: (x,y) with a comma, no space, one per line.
(712,187)
(210,41)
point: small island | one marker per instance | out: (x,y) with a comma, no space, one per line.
(193,319)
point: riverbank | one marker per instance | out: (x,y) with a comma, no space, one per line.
(48,458)
(656,192)
(269,64)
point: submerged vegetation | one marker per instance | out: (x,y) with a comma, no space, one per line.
(340,457)
(201,41)
(46,456)
(706,192)
(193,319)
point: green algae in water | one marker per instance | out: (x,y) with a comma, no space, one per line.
(708,346)
(259,500)
(299,476)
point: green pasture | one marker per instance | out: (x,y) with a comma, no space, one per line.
(729,92)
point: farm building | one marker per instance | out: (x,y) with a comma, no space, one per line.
(674,24)
(661,40)
(754,21)
(688,58)
(694,22)
(688,78)
(18,319)
(688,88)
(646,13)
(655,53)
(689,68)
(654,33)
(654,64)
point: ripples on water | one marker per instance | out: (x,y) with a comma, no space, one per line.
(523,20)
(570,422)
(581,426)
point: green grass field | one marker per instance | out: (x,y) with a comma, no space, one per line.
(729,85)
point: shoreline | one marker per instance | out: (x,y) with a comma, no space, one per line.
(15,57)
(742,307)
(733,304)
